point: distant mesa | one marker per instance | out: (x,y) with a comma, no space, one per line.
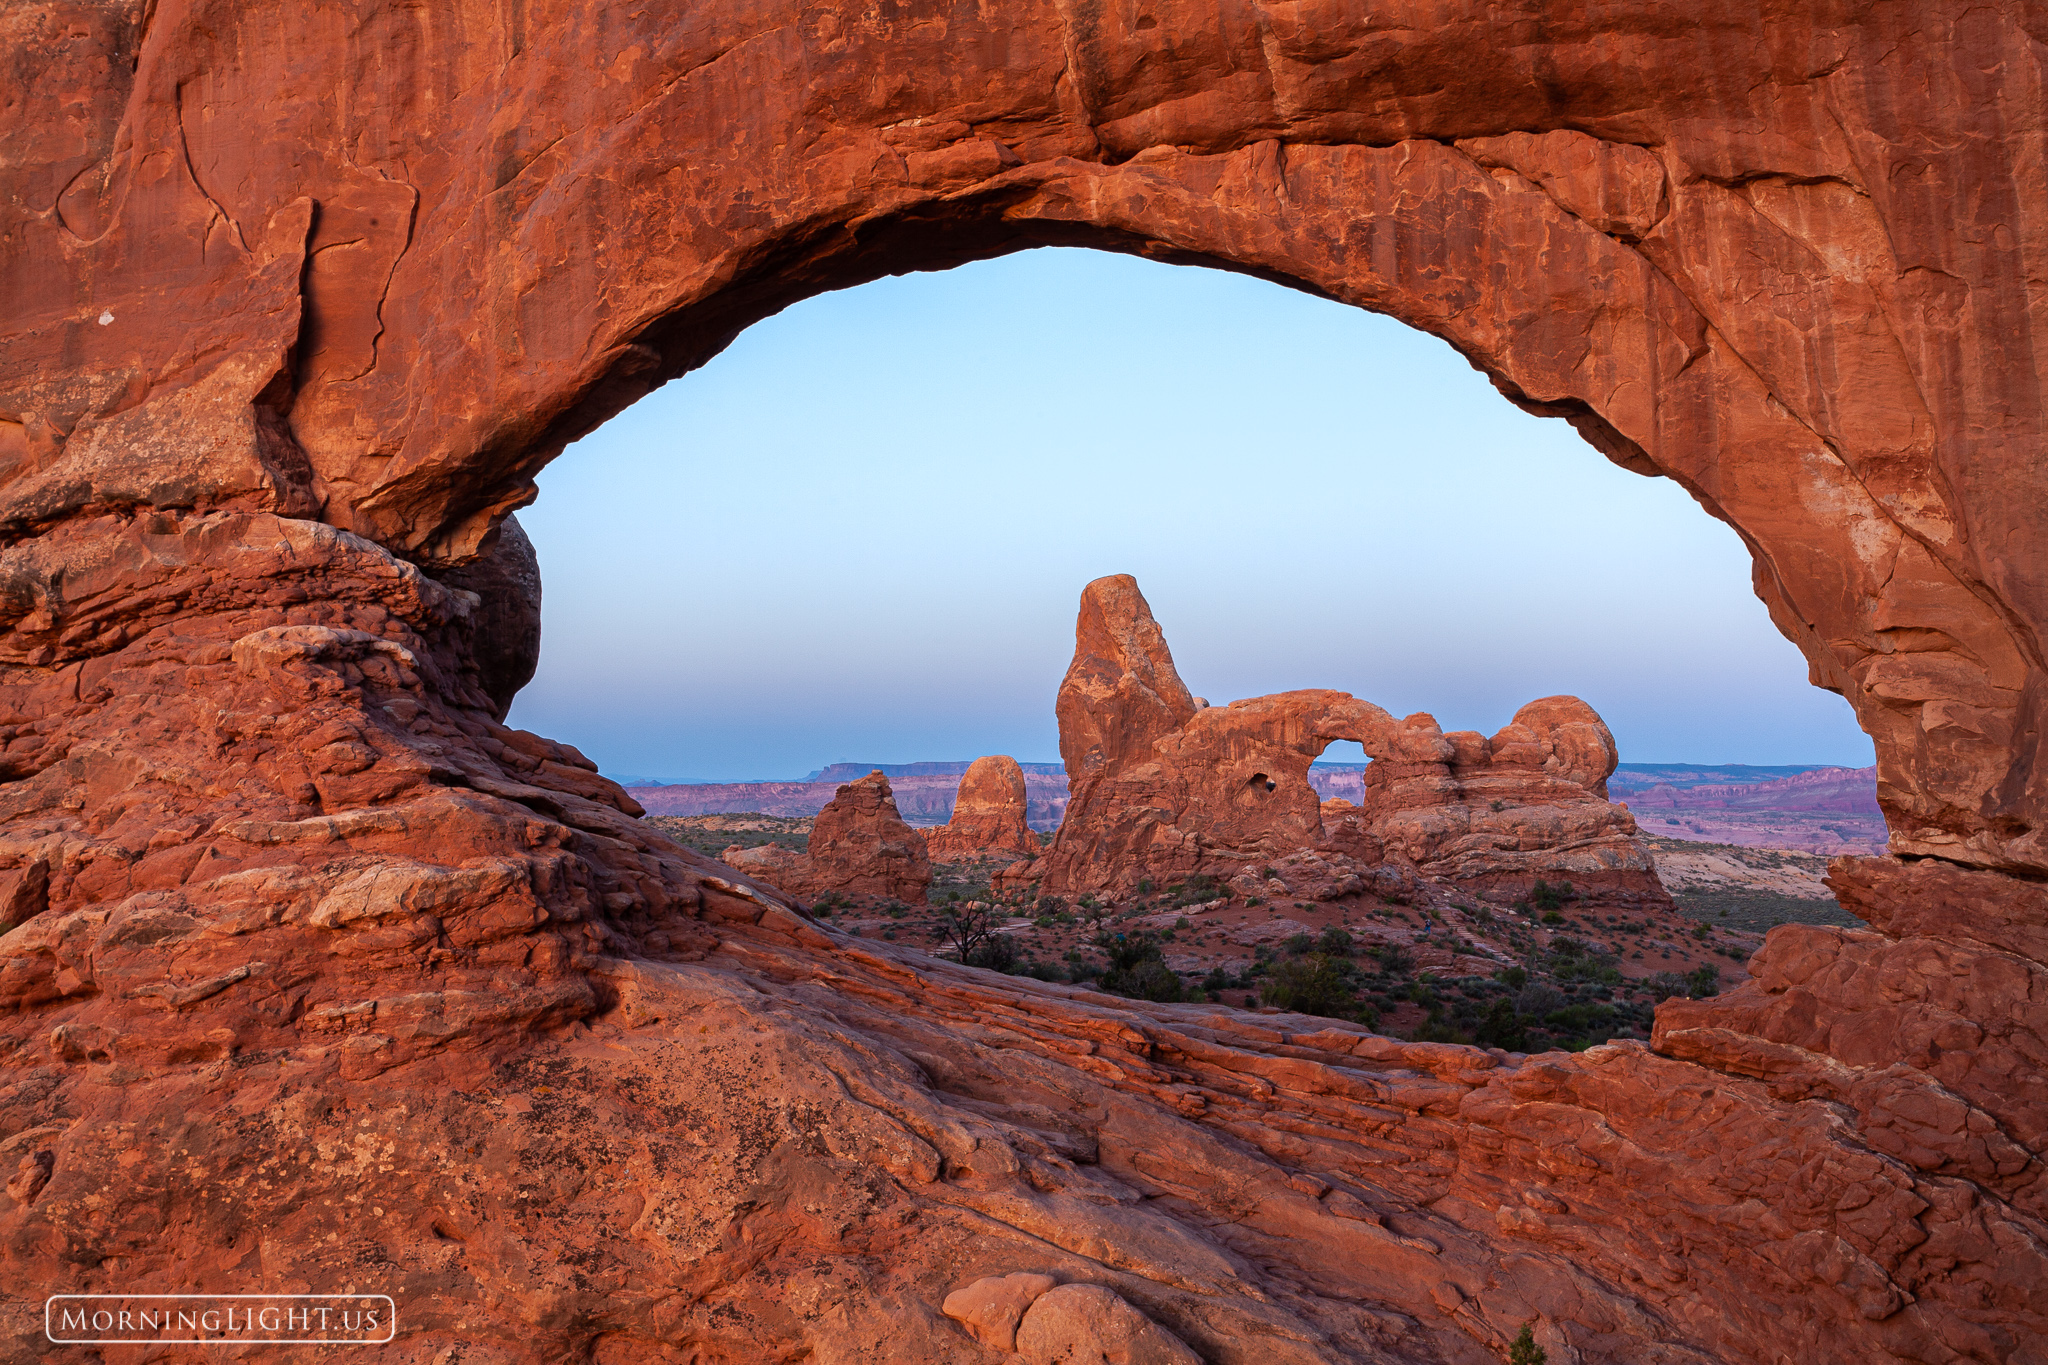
(635,780)
(859,846)
(989,815)
(922,799)
(847,772)
(1813,810)
(1632,775)
(1161,788)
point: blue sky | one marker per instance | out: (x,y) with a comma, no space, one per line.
(859,534)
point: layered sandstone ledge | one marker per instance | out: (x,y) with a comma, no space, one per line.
(321,977)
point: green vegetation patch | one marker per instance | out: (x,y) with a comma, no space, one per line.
(1756,911)
(712,835)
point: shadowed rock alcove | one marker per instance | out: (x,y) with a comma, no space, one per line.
(317,975)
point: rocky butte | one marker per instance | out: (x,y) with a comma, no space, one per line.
(988,818)
(1164,786)
(859,846)
(321,977)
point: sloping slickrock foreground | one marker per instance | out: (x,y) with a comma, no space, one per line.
(321,977)
(1164,786)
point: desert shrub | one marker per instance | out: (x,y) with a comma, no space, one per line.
(1136,968)
(968,926)
(1523,1350)
(997,952)
(1582,1023)
(1549,896)
(1538,1000)
(1574,960)
(1151,980)
(1335,942)
(1439,1028)
(1502,1028)
(1512,977)
(1298,944)
(1394,959)
(1664,985)
(1050,905)
(1703,981)
(1308,985)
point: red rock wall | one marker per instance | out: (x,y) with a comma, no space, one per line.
(323,977)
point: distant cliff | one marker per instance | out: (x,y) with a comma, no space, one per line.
(1820,810)
(923,798)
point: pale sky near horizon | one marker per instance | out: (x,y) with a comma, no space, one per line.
(860,533)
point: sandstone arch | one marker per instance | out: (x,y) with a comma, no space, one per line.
(1163,787)
(300,297)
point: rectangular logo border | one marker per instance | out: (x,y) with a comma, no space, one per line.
(216,1341)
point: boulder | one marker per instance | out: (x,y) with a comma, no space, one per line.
(1085,1324)
(991,1307)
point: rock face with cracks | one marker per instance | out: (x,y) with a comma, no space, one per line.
(989,815)
(320,977)
(1500,813)
(1163,787)
(860,846)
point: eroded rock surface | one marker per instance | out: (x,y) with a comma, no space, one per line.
(1499,813)
(989,815)
(320,977)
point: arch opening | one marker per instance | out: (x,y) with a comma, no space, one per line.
(952,482)
(1441,242)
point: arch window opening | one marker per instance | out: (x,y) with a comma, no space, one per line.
(855,538)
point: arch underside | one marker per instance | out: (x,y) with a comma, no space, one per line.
(301,300)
